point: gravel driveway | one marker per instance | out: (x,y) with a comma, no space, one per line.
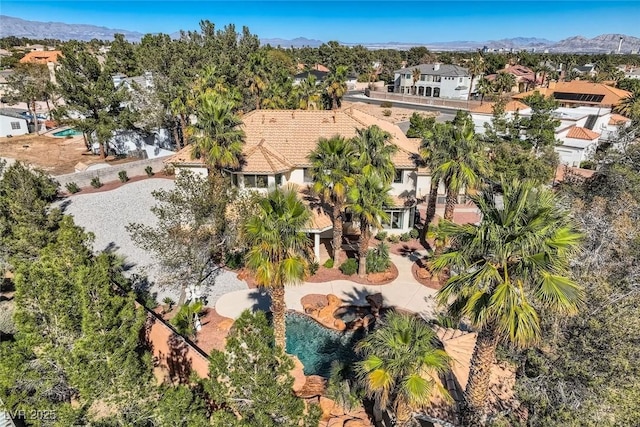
(106,214)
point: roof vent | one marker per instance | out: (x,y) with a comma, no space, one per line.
(334,117)
(272,120)
(325,120)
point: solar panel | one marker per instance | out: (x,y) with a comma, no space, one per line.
(580,97)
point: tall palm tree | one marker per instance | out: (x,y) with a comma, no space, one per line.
(630,106)
(336,85)
(505,271)
(376,152)
(431,150)
(257,78)
(476,67)
(401,365)
(333,164)
(460,164)
(279,254)
(415,75)
(309,94)
(217,134)
(505,82)
(367,199)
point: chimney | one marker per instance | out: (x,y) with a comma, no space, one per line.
(436,66)
(620,44)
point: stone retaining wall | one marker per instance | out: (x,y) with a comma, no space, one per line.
(135,168)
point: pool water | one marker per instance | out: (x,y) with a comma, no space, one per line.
(68,132)
(316,346)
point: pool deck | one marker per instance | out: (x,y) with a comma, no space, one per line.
(403,293)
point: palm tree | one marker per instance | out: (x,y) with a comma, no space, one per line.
(401,365)
(257,79)
(336,85)
(476,68)
(505,270)
(415,74)
(430,151)
(484,87)
(333,164)
(460,163)
(217,135)
(279,254)
(309,94)
(367,199)
(277,95)
(630,106)
(505,82)
(376,152)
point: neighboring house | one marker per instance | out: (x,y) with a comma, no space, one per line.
(278,143)
(580,93)
(436,80)
(587,70)
(12,123)
(319,75)
(631,72)
(48,57)
(133,143)
(317,67)
(525,77)
(581,129)
(144,81)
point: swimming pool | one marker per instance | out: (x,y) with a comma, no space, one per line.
(67,132)
(316,346)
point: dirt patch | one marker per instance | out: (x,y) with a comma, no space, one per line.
(329,274)
(398,114)
(56,156)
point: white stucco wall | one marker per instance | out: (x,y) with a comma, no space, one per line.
(5,126)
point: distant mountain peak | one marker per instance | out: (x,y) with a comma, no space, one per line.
(10,26)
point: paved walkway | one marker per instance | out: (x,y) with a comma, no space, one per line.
(404,293)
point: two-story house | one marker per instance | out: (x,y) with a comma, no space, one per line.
(436,80)
(278,143)
(579,133)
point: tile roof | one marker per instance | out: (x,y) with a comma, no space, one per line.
(487,107)
(577,132)
(281,140)
(42,57)
(617,119)
(320,219)
(612,95)
(443,70)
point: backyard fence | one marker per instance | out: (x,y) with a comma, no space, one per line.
(135,168)
(436,102)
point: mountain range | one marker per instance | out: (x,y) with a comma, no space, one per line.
(11,26)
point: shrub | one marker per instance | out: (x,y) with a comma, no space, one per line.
(168,301)
(72,187)
(587,164)
(381,235)
(149,171)
(386,104)
(122,176)
(95,182)
(378,259)
(394,238)
(328,263)
(313,267)
(414,233)
(405,237)
(234,261)
(386,113)
(183,321)
(169,170)
(349,267)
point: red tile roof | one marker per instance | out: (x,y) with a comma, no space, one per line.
(41,57)
(582,133)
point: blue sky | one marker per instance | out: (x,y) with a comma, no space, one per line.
(355,21)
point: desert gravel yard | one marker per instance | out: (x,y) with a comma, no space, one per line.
(106,214)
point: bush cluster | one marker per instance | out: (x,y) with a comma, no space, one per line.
(72,187)
(378,259)
(95,182)
(349,267)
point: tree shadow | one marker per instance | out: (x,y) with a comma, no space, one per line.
(357,296)
(64,205)
(177,361)
(261,298)
(412,253)
(112,249)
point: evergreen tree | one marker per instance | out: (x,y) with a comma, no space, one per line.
(250,381)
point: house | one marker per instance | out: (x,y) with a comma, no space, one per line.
(42,57)
(630,72)
(12,123)
(278,143)
(317,67)
(526,78)
(587,70)
(580,132)
(319,75)
(580,93)
(144,81)
(436,80)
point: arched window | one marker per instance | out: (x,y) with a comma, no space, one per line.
(436,92)
(420,91)
(427,91)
